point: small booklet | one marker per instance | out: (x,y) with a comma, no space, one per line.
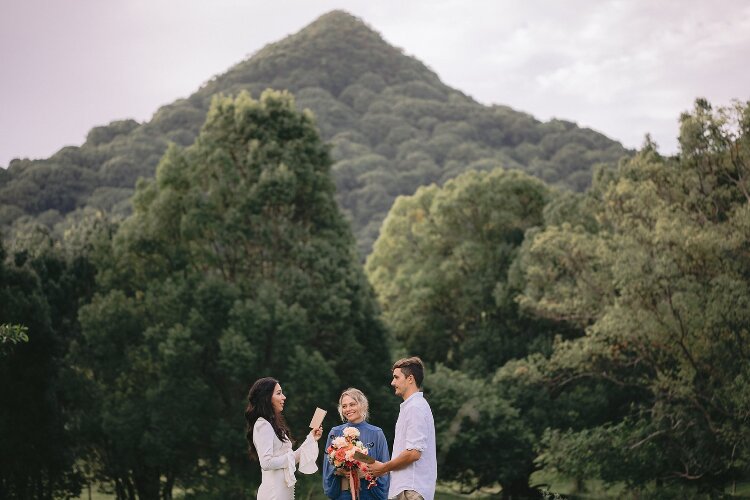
(317,419)
(363,458)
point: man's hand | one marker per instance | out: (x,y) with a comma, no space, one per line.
(378,469)
(404,459)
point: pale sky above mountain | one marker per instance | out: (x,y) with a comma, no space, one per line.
(624,68)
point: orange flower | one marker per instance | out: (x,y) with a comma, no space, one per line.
(341,454)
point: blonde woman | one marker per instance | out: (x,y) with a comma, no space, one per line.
(354,411)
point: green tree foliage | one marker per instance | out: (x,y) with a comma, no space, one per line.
(40,289)
(11,335)
(444,269)
(482,438)
(235,264)
(660,282)
(370,100)
(440,269)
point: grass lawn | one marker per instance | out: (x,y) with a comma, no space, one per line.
(593,489)
(95,495)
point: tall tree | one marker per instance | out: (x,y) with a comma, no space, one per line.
(41,288)
(661,285)
(236,264)
(440,268)
(444,272)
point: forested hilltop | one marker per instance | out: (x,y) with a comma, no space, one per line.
(393,124)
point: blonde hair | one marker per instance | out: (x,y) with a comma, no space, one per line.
(359,397)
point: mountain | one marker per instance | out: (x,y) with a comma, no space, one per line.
(393,126)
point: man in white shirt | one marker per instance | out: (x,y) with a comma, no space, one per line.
(414,466)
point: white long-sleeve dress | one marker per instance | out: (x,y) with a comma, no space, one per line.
(278,461)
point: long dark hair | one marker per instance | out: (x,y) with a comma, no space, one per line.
(259,405)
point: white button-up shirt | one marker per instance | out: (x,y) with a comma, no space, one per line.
(415,430)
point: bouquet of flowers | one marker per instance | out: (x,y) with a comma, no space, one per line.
(341,456)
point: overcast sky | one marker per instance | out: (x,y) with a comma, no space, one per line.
(623,68)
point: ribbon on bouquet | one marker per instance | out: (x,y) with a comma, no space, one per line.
(354,483)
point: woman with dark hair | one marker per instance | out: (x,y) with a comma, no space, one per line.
(270,442)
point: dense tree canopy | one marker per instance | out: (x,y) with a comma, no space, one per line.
(608,330)
(235,264)
(440,268)
(598,330)
(40,288)
(661,285)
(444,271)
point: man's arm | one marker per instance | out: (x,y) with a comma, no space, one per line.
(404,459)
(416,442)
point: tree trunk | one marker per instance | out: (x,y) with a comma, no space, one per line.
(120,490)
(124,488)
(147,481)
(131,489)
(166,492)
(519,490)
(579,485)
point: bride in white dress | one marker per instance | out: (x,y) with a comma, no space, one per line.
(270,443)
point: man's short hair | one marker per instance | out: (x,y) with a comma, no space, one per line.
(411,366)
